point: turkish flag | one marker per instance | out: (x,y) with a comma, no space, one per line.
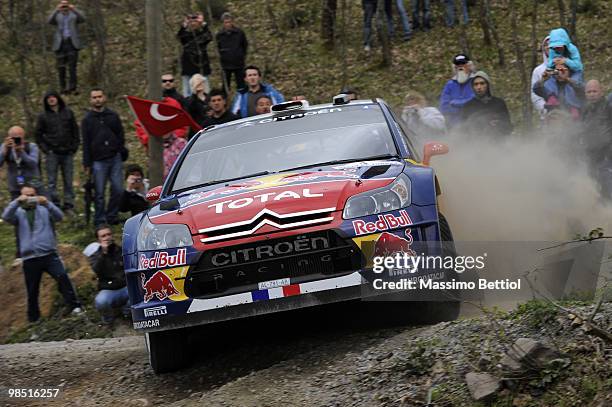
(160,118)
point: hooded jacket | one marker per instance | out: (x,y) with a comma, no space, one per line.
(240,105)
(488,114)
(102,136)
(559,38)
(566,95)
(233,46)
(453,97)
(57,132)
(538,101)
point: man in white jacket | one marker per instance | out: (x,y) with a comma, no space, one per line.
(538,101)
(427,122)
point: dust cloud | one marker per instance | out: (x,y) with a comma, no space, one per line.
(521,188)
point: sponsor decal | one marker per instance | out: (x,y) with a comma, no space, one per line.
(349,166)
(268,251)
(159,285)
(155,311)
(389,244)
(162,260)
(146,324)
(289,117)
(384,222)
(264,285)
(265,197)
(314,175)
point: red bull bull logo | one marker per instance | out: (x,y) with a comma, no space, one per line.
(162,260)
(159,285)
(384,222)
(389,244)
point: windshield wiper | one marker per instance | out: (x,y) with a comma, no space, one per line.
(348,160)
(220,181)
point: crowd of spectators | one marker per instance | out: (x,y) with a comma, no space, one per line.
(467,104)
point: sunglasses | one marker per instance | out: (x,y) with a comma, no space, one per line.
(167,80)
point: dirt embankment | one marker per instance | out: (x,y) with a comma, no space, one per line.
(328,357)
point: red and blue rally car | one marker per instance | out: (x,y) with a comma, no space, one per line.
(277,212)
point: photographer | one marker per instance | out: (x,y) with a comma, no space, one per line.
(107,263)
(194,36)
(22,159)
(133,197)
(34,217)
(561,90)
(423,120)
(66,42)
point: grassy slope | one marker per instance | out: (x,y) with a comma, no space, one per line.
(296,63)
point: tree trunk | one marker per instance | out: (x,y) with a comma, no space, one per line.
(153,15)
(491,23)
(343,12)
(98,71)
(383,34)
(484,24)
(572,22)
(525,82)
(328,20)
(562,20)
(463,38)
(534,39)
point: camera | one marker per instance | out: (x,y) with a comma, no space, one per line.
(555,72)
(193,16)
(17,141)
(32,200)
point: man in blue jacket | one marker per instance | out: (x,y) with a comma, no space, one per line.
(457,91)
(34,217)
(244,103)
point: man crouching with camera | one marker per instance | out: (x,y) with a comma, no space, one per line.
(34,216)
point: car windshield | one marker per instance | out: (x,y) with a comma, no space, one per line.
(274,144)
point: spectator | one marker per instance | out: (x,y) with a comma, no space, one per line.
(457,91)
(34,217)
(350,92)
(486,113)
(450,12)
(597,135)
(417,7)
(107,263)
(218,106)
(561,90)
(173,146)
(57,135)
(244,101)
(194,36)
(197,103)
(233,45)
(426,122)
(263,105)
(401,10)
(103,153)
(22,160)
(66,42)
(133,198)
(538,101)
(169,89)
(561,50)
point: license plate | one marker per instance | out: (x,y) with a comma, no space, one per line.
(264,285)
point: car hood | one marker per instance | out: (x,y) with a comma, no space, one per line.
(282,198)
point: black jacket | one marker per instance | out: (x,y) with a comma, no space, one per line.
(109,268)
(57,132)
(597,133)
(197,108)
(194,58)
(224,118)
(491,117)
(103,136)
(232,48)
(132,202)
(174,94)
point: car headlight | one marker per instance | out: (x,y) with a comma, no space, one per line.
(394,196)
(163,236)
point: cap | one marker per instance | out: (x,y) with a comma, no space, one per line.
(461,59)
(226,16)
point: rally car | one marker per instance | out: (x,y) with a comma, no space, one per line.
(277,212)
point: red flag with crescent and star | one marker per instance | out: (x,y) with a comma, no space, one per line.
(160,118)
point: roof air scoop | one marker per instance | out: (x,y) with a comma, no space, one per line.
(288,106)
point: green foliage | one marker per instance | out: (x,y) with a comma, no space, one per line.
(535,312)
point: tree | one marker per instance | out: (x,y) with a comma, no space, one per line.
(525,82)
(328,20)
(383,35)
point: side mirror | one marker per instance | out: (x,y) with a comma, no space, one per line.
(433,148)
(154,194)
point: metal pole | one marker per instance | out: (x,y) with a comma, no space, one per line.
(153,15)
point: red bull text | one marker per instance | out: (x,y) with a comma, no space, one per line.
(384,222)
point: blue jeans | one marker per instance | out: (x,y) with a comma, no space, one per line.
(63,162)
(424,6)
(450,12)
(107,301)
(404,17)
(52,264)
(110,169)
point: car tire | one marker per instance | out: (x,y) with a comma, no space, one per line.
(168,350)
